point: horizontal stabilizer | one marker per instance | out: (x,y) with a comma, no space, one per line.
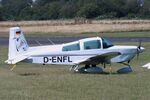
(16,59)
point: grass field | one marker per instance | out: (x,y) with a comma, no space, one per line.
(52,82)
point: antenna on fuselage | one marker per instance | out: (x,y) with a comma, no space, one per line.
(51,41)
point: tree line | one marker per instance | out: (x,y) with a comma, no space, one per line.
(69,9)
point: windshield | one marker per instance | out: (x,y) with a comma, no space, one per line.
(106,43)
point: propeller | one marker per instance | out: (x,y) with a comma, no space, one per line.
(140,42)
(139,48)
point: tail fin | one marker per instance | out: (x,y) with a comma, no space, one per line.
(17,44)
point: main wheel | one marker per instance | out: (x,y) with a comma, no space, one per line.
(90,69)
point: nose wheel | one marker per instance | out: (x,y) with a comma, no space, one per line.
(126,69)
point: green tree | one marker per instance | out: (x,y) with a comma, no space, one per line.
(13,8)
(1,13)
(48,11)
(52,10)
(44,2)
(68,10)
(57,9)
(144,11)
(26,14)
(89,11)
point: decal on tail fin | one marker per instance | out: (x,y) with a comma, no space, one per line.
(21,44)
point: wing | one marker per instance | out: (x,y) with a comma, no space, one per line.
(103,58)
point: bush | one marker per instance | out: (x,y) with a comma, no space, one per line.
(111,15)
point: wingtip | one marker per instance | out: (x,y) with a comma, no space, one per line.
(146,66)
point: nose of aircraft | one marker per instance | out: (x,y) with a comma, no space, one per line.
(141,49)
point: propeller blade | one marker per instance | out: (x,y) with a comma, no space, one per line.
(138,49)
(137,53)
(140,42)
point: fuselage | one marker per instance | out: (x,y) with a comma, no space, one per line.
(73,52)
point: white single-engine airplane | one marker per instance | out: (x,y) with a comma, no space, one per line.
(88,52)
